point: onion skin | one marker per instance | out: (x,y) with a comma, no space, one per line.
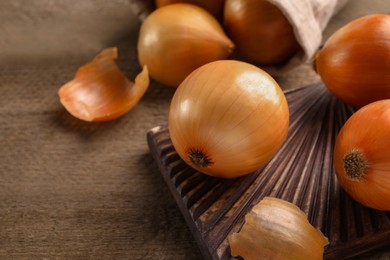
(277,229)
(215,7)
(176,39)
(355,61)
(100,91)
(362,157)
(228,118)
(261,32)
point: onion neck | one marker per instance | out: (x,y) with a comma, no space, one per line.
(199,158)
(355,165)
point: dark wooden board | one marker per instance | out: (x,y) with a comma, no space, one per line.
(301,172)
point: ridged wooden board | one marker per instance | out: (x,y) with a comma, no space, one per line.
(301,172)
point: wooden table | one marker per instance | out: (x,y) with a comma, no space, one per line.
(76,190)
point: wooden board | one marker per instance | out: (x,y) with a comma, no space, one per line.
(301,172)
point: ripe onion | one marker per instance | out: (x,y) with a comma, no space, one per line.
(355,61)
(228,118)
(100,91)
(362,157)
(277,229)
(261,32)
(215,7)
(176,39)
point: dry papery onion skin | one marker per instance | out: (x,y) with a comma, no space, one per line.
(176,39)
(354,63)
(100,91)
(261,32)
(277,229)
(228,118)
(362,157)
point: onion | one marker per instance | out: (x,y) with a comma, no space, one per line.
(355,61)
(362,157)
(228,118)
(261,32)
(215,7)
(277,229)
(176,39)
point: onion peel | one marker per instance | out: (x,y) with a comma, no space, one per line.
(277,229)
(100,91)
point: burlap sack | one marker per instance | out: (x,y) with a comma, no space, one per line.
(308,18)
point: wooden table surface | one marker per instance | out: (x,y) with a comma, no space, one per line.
(76,190)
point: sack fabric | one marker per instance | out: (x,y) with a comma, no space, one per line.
(308,18)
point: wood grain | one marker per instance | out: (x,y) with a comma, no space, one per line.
(301,172)
(74,190)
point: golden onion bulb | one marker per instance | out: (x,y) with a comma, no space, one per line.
(215,7)
(176,39)
(228,118)
(362,158)
(261,32)
(355,61)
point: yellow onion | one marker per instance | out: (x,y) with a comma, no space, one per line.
(215,7)
(100,91)
(178,38)
(261,32)
(277,229)
(362,155)
(228,118)
(355,61)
